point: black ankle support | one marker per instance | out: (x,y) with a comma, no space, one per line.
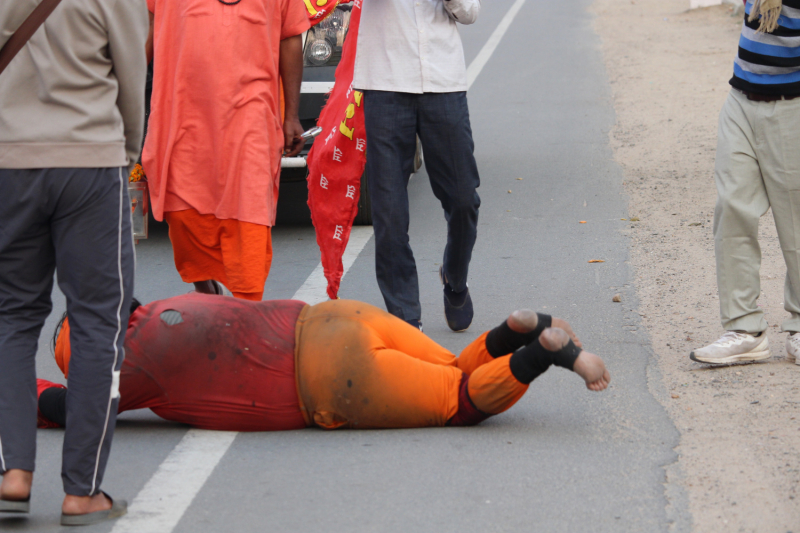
(503,340)
(53,405)
(566,356)
(532,361)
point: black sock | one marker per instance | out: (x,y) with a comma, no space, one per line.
(532,361)
(503,340)
(53,405)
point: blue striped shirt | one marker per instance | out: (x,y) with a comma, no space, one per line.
(769,63)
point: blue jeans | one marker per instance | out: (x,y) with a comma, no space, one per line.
(393,120)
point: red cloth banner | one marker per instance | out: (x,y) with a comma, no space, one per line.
(319,9)
(336,162)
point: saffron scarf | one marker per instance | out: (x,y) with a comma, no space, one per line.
(336,161)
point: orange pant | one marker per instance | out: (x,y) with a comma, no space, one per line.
(235,253)
(360,367)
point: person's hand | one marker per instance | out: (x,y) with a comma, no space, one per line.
(292,140)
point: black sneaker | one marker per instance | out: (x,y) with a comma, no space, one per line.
(457,306)
(416,323)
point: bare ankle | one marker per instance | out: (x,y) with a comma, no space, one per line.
(16,485)
(204,287)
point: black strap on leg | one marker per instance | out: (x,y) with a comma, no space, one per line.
(503,340)
(566,356)
(532,361)
(544,322)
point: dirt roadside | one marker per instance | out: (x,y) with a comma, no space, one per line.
(739,453)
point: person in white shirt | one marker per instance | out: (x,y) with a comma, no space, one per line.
(410,66)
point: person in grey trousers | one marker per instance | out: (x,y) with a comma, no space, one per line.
(71,121)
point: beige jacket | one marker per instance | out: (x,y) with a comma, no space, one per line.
(74,95)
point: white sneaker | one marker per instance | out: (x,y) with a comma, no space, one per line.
(793,347)
(734,346)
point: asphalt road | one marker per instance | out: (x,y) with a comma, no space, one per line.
(563,459)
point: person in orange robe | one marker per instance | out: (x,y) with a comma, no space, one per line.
(215,134)
(226,364)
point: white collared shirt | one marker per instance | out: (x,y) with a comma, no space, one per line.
(413,46)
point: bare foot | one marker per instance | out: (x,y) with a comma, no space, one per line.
(593,371)
(563,324)
(75,505)
(16,486)
(588,366)
(525,321)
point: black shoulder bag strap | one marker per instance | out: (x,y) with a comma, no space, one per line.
(25,32)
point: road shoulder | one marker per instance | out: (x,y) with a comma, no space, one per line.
(740,425)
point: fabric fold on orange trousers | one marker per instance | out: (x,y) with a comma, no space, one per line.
(235,253)
(357,366)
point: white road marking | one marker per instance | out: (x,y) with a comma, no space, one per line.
(488,49)
(313,290)
(160,505)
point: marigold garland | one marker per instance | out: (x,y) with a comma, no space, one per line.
(137,174)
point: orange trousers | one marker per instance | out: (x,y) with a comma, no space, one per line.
(235,253)
(357,366)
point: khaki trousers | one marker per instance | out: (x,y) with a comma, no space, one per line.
(757,167)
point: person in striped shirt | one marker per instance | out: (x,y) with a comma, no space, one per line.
(758,167)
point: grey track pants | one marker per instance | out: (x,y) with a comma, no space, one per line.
(77,222)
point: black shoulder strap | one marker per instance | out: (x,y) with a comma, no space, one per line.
(25,32)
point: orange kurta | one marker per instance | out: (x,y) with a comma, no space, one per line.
(214,138)
(237,254)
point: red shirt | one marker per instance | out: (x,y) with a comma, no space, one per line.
(214,362)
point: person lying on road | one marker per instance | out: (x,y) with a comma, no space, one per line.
(229,364)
